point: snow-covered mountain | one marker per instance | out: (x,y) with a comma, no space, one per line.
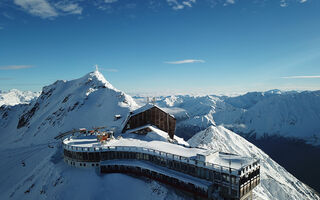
(85,102)
(276,182)
(14,97)
(27,132)
(289,114)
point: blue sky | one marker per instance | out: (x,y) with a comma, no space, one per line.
(163,46)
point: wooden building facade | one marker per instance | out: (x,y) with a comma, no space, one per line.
(153,115)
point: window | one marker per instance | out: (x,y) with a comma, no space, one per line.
(225,178)
(233,180)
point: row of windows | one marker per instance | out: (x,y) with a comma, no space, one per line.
(83,156)
(248,187)
(251,175)
(171,164)
(154,175)
(83,164)
(250,166)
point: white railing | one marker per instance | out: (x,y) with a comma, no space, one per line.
(166,155)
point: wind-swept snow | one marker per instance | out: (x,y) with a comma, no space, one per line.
(276,182)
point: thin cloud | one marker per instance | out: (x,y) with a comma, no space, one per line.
(110,1)
(69,8)
(283,3)
(51,9)
(39,8)
(8,16)
(15,67)
(229,2)
(179,5)
(47,10)
(300,77)
(185,61)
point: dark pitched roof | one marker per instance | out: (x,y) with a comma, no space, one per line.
(147,107)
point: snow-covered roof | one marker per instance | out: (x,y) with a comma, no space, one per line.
(139,128)
(154,133)
(152,128)
(147,107)
(131,144)
(91,141)
(226,159)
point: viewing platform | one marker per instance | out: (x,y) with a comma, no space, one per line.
(199,171)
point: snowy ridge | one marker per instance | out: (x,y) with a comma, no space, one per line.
(276,182)
(14,97)
(289,114)
(85,102)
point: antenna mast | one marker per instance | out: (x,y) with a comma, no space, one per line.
(97,68)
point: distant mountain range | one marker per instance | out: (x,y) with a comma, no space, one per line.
(255,114)
(27,132)
(284,113)
(14,97)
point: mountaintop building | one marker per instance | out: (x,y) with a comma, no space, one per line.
(152,115)
(200,173)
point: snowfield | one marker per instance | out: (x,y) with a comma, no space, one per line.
(14,97)
(32,165)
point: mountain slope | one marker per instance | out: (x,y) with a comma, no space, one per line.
(289,114)
(85,102)
(276,182)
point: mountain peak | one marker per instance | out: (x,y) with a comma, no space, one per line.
(84,102)
(97,78)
